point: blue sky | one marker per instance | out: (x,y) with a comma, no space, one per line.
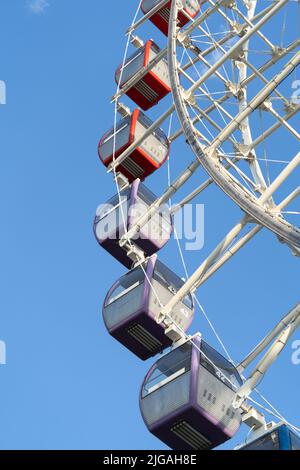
(67,384)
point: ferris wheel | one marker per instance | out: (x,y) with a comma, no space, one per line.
(230,67)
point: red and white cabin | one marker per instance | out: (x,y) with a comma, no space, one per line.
(161,17)
(144,160)
(153,86)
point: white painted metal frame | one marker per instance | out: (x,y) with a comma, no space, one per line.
(260,210)
(283,331)
(257,209)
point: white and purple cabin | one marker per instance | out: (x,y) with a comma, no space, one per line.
(109,226)
(186,398)
(131,308)
(276,437)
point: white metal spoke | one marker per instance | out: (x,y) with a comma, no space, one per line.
(231,71)
(226,181)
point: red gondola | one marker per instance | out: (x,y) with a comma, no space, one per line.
(153,86)
(144,160)
(161,17)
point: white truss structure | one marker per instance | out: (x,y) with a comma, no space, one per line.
(228,49)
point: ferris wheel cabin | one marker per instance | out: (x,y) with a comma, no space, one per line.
(120,213)
(153,86)
(131,308)
(161,18)
(279,437)
(186,398)
(144,160)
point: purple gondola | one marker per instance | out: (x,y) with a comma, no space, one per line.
(131,308)
(115,218)
(186,398)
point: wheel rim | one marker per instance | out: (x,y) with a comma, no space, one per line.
(265,213)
